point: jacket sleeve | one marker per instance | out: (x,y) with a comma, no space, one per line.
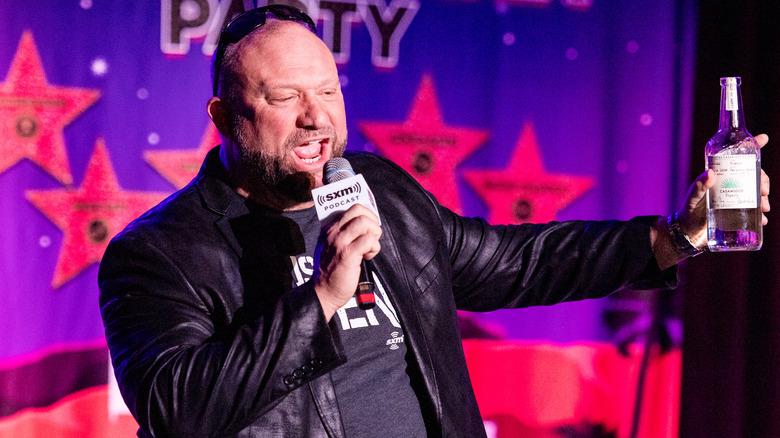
(509,266)
(542,264)
(179,372)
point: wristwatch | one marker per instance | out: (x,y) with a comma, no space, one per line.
(681,240)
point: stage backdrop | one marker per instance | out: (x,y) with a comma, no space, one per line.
(514,110)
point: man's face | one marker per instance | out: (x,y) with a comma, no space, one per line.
(288,118)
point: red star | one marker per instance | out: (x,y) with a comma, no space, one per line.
(524,192)
(424,146)
(33,114)
(182,165)
(90,215)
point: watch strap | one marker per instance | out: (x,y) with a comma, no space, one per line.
(681,240)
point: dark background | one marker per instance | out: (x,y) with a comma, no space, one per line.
(730,382)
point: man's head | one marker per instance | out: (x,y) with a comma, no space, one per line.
(280,112)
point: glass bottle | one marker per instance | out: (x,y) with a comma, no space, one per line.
(734,202)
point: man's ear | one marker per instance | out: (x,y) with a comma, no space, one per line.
(219,114)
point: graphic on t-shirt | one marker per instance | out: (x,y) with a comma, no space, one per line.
(351,316)
(303,268)
(396,339)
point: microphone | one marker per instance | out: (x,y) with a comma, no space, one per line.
(337,170)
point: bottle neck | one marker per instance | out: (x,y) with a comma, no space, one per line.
(732,116)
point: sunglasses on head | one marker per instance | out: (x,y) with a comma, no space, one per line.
(244,23)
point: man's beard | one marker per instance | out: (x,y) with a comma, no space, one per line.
(272,171)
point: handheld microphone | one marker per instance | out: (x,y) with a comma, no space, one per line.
(338,170)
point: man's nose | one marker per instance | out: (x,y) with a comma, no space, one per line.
(312,114)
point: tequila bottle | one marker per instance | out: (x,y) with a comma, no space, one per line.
(734,202)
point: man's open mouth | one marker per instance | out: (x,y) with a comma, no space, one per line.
(311,151)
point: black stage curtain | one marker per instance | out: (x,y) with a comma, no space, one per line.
(731,352)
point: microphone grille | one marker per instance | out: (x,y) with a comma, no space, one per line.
(336,169)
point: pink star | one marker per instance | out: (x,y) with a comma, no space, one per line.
(182,165)
(33,114)
(524,191)
(90,215)
(425,147)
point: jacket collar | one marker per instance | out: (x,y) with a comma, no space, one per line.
(215,189)
(220,197)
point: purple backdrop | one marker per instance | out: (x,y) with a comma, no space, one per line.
(601,88)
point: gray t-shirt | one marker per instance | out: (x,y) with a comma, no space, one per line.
(373,387)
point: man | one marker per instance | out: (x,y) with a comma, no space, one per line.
(222,320)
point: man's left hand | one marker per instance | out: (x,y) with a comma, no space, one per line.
(693,213)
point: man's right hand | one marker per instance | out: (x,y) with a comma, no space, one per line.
(341,249)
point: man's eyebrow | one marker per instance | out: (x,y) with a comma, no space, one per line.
(284,84)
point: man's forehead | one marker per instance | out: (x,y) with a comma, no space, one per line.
(285,40)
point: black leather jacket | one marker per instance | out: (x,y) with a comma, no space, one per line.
(207,340)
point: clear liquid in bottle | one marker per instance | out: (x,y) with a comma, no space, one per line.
(734,202)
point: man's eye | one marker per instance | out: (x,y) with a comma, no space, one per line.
(281,99)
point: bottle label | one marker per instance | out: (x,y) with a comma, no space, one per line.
(735,181)
(732,103)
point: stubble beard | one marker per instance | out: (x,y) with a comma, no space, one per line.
(273,172)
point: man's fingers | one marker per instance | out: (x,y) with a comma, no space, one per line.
(764,183)
(351,227)
(762,139)
(356,211)
(707,180)
(368,245)
(698,190)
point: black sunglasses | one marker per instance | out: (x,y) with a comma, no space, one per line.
(244,23)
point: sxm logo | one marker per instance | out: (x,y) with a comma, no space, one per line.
(354,189)
(183,21)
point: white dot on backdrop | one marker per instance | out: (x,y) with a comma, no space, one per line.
(142,93)
(509,38)
(153,138)
(99,67)
(344,81)
(632,46)
(44,241)
(189,10)
(572,54)
(85,4)
(646,119)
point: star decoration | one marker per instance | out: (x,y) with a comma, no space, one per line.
(524,191)
(90,215)
(181,166)
(424,146)
(34,113)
